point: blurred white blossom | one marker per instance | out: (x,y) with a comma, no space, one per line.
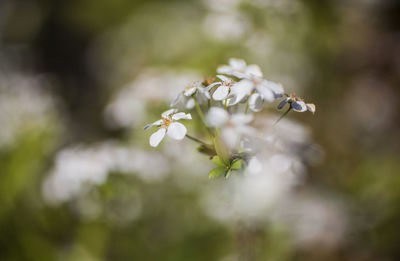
(77,168)
(315,219)
(275,168)
(25,104)
(195,89)
(226,25)
(233,127)
(128,108)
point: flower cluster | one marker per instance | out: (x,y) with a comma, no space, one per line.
(225,106)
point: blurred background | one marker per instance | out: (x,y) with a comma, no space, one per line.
(80,78)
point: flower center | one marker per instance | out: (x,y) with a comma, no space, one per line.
(294,98)
(255,80)
(167,122)
(228,83)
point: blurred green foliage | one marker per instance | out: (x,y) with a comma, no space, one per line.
(90,48)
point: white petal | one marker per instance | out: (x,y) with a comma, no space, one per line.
(231,101)
(299,106)
(246,130)
(245,86)
(311,107)
(224,78)
(276,88)
(237,64)
(254,70)
(203,92)
(177,99)
(234,99)
(190,91)
(206,94)
(255,166)
(176,130)
(216,116)
(156,123)
(201,98)
(230,137)
(221,93)
(157,137)
(225,69)
(181,116)
(283,103)
(240,91)
(240,75)
(209,87)
(169,112)
(265,92)
(241,118)
(255,102)
(190,103)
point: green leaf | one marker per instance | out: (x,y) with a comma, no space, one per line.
(214,173)
(237,164)
(217,161)
(207,149)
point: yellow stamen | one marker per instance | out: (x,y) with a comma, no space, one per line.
(167,122)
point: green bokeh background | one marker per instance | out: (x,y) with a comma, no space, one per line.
(342,55)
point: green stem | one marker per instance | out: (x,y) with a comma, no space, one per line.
(201,115)
(283,115)
(247,107)
(195,139)
(225,102)
(199,112)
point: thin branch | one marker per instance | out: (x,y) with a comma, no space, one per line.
(195,139)
(283,115)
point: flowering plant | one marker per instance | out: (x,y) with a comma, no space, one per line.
(226,106)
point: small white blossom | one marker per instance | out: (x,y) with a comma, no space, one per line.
(240,69)
(223,89)
(168,125)
(297,104)
(252,87)
(257,90)
(186,97)
(233,127)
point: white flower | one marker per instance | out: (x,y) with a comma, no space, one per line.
(252,86)
(186,97)
(223,89)
(233,127)
(240,69)
(168,125)
(258,90)
(297,104)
